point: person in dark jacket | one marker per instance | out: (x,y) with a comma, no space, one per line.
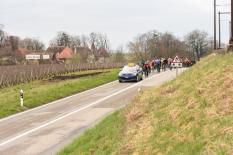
(158,65)
(146,69)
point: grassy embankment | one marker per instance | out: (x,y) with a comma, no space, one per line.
(190,115)
(45,91)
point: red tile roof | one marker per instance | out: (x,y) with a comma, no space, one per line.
(66,53)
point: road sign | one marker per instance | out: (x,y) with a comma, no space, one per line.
(176,60)
(176,63)
(32,57)
(45,57)
(37,57)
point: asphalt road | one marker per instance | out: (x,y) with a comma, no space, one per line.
(47,129)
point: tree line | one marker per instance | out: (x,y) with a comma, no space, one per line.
(94,44)
(145,46)
(153,44)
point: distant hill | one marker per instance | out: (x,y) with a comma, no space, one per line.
(190,115)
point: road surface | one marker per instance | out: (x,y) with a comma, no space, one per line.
(49,128)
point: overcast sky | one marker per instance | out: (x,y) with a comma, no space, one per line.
(121,20)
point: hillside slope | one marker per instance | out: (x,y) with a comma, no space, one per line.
(190,115)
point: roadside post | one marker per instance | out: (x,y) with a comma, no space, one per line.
(177,64)
(21,97)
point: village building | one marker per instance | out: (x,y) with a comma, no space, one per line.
(65,54)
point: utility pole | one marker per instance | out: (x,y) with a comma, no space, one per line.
(231,39)
(230,47)
(215,44)
(219,26)
(230,29)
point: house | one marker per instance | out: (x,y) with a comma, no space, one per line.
(83,52)
(102,54)
(61,53)
(65,54)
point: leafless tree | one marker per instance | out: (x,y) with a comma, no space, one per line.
(75,41)
(119,55)
(14,42)
(62,39)
(155,44)
(139,47)
(1,38)
(32,44)
(99,44)
(2,35)
(84,41)
(197,42)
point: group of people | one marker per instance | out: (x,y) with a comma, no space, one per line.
(160,64)
(155,64)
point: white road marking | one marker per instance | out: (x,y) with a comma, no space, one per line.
(73,112)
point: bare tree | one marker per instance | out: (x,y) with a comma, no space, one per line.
(84,41)
(32,44)
(62,39)
(155,44)
(169,46)
(140,48)
(75,41)
(1,38)
(99,45)
(14,42)
(119,55)
(197,42)
(2,35)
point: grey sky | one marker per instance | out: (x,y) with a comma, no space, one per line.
(121,20)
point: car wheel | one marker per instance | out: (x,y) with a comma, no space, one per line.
(120,81)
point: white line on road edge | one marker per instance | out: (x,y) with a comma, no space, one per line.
(73,112)
(45,105)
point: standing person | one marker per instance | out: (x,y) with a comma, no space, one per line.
(165,64)
(158,65)
(142,63)
(170,63)
(152,65)
(146,69)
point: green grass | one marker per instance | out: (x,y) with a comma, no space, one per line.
(187,116)
(102,139)
(41,92)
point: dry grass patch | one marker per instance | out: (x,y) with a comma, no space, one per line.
(133,114)
(191,104)
(167,91)
(174,114)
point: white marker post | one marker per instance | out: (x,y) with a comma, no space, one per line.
(21,97)
(176,71)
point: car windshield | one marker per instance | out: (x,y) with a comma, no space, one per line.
(128,69)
